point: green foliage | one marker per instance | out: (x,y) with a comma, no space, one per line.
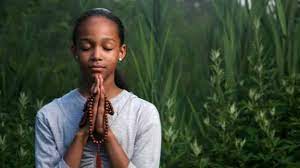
(225,77)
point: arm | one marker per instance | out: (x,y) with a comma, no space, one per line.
(46,154)
(146,149)
(74,153)
(148,141)
(115,152)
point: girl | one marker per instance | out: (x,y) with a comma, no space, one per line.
(133,136)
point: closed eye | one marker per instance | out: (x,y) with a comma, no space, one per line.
(85,49)
(107,49)
(85,45)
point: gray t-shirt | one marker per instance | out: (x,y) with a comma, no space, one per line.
(136,125)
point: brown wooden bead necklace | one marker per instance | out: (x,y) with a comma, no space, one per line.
(88,117)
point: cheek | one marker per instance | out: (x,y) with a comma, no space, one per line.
(84,57)
(112,58)
(113,61)
(83,63)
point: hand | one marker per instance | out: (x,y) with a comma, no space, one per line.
(100,105)
(84,123)
(98,110)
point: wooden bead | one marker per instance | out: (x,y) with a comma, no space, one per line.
(88,109)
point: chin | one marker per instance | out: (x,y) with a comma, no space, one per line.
(94,74)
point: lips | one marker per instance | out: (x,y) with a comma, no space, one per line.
(96,68)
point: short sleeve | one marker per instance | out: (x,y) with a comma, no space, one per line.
(147,147)
(46,153)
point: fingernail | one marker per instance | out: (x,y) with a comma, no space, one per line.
(98,80)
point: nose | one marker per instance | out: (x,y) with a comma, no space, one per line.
(97,55)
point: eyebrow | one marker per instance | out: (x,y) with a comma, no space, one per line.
(85,39)
(90,40)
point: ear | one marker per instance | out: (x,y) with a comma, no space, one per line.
(123,51)
(73,51)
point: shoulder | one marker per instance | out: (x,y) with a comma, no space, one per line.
(147,116)
(145,109)
(52,110)
(49,110)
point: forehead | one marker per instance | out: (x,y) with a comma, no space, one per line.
(98,27)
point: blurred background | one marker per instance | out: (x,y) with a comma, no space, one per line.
(224,75)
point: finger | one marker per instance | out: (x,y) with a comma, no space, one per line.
(96,84)
(102,84)
(102,99)
(92,89)
(100,113)
(95,107)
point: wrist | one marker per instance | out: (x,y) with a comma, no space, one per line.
(110,136)
(82,137)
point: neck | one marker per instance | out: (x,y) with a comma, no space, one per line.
(110,87)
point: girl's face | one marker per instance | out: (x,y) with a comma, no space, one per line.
(98,47)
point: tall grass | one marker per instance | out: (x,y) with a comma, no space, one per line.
(224,76)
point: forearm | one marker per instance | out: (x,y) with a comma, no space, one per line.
(74,153)
(115,152)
